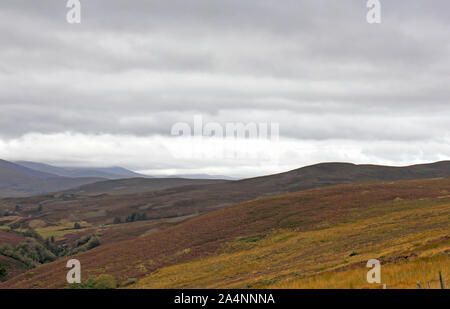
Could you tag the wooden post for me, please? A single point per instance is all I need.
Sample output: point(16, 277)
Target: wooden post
point(442, 281)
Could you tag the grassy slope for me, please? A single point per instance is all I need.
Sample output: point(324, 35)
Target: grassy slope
point(287, 258)
point(275, 240)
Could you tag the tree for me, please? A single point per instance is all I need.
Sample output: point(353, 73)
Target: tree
point(135, 216)
point(3, 272)
point(40, 208)
point(117, 220)
point(77, 226)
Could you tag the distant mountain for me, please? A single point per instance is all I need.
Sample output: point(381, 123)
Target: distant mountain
point(17, 180)
point(223, 192)
point(24, 171)
point(200, 176)
point(77, 172)
point(117, 170)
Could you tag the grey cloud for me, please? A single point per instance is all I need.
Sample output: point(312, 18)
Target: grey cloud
point(316, 67)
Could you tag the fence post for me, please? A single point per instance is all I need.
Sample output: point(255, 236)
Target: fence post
point(441, 280)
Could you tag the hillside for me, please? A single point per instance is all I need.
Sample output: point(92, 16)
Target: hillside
point(137, 185)
point(327, 174)
point(99, 205)
point(183, 201)
point(119, 198)
point(77, 172)
point(278, 240)
point(16, 180)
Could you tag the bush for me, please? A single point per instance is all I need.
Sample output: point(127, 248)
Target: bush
point(129, 282)
point(3, 272)
point(93, 242)
point(102, 282)
point(105, 282)
point(85, 244)
point(30, 232)
point(77, 226)
point(135, 216)
point(30, 252)
point(117, 220)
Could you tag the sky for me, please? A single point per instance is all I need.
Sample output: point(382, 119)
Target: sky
point(110, 90)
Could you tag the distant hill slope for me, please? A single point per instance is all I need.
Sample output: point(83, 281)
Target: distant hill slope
point(186, 198)
point(267, 241)
point(79, 172)
point(17, 180)
point(137, 185)
point(326, 174)
point(202, 176)
point(24, 171)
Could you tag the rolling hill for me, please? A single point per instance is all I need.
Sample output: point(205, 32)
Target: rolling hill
point(17, 180)
point(138, 185)
point(78, 172)
point(285, 240)
point(165, 203)
point(185, 198)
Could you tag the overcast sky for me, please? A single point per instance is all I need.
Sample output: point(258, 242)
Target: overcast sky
point(108, 91)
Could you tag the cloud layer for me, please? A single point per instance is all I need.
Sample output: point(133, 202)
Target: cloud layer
point(108, 91)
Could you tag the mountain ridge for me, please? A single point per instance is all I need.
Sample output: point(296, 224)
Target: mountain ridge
point(18, 181)
point(114, 172)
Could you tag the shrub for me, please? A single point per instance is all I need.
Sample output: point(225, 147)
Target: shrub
point(85, 244)
point(77, 226)
point(128, 282)
point(93, 242)
point(3, 272)
point(135, 216)
point(30, 252)
point(103, 282)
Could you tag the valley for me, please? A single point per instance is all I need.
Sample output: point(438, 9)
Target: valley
point(277, 231)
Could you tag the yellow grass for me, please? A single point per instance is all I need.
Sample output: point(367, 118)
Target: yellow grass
point(290, 259)
point(401, 275)
point(63, 228)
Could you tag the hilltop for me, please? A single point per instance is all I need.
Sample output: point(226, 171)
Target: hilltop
point(17, 180)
